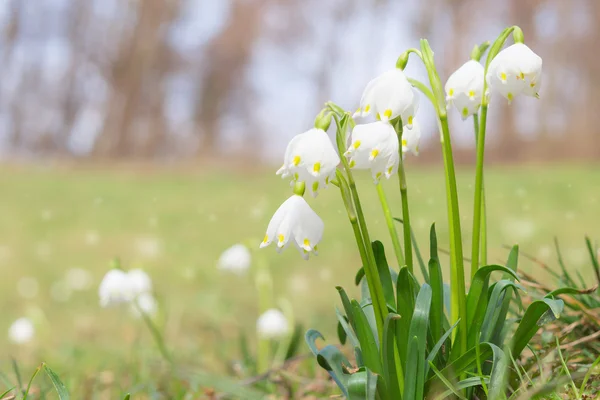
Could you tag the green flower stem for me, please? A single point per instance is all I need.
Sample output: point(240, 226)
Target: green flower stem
point(483, 247)
point(458, 292)
point(389, 219)
point(408, 254)
point(156, 335)
point(477, 205)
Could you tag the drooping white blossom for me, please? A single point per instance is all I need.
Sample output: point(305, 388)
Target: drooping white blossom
point(411, 137)
point(374, 146)
point(515, 70)
point(236, 259)
point(139, 282)
point(388, 96)
point(311, 158)
point(115, 288)
point(464, 88)
point(21, 331)
point(272, 324)
point(294, 221)
point(144, 302)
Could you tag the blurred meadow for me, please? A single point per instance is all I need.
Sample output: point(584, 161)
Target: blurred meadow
point(149, 131)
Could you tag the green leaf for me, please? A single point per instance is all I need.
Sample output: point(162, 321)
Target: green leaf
point(7, 392)
point(529, 323)
point(570, 291)
point(392, 370)
point(343, 323)
point(512, 263)
point(347, 306)
point(406, 291)
point(294, 343)
point(310, 338)
point(447, 383)
point(499, 375)
point(15, 367)
point(479, 285)
point(127, 397)
point(368, 344)
point(594, 257)
point(437, 288)
point(464, 384)
point(362, 385)
point(333, 361)
point(438, 346)
point(492, 313)
point(384, 273)
point(60, 388)
point(464, 363)
point(414, 381)
point(585, 379)
point(359, 275)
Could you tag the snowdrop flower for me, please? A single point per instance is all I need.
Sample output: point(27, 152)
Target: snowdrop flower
point(272, 324)
point(21, 331)
point(139, 282)
point(310, 158)
point(235, 259)
point(515, 70)
point(115, 288)
point(388, 96)
point(411, 137)
point(145, 302)
point(374, 146)
point(464, 88)
point(295, 221)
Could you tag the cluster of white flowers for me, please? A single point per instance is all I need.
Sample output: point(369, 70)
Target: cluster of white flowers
point(133, 288)
point(515, 70)
point(236, 259)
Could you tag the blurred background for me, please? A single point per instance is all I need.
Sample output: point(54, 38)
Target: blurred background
point(150, 130)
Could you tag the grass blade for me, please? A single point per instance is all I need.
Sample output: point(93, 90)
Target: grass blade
point(384, 273)
point(438, 346)
point(368, 343)
point(594, 258)
point(585, 379)
point(529, 324)
point(37, 370)
point(415, 380)
point(449, 385)
point(437, 287)
point(15, 367)
point(392, 370)
point(406, 290)
point(61, 389)
point(498, 377)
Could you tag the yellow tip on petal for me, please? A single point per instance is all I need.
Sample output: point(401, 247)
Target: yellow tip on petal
point(352, 164)
point(317, 167)
point(521, 76)
point(281, 238)
point(532, 84)
point(389, 170)
point(327, 180)
point(387, 113)
point(306, 243)
point(410, 120)
point(296, 176)
point(378, 117)
point(471, 93)
point(503, 76)
point(374, 153)
point(367, 108)
point(266, 239)
point(315, 186)
point(509, 96)
point(356, 144)
point(404, 143)
point(451, 92)
point(378, 175)
point(296, 161)
point(465, 112)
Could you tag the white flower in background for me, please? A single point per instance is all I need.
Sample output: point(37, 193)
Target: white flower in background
point(310, 158)
point(236, 259)
point(145, 302)
point(78, 279)
point(21, 331)
point(464, 88)
point(515, 70)
point(374, 146)
point(388, 96)
point(60, 291)
point(28, 287)
point(139, 282)
point(115, 288)
point(272, 324)
point(295, 221)
point(411, 137)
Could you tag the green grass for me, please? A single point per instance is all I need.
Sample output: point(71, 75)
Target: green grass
point(175, 223)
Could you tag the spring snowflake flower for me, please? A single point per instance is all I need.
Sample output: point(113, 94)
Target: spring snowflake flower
point(115, 288)
point(388, 96)
point(515, 70)
point(21, 331)
point(235, 259)
point(464, 88)
point(145, 302)
point(272, 324)
point(374, 146)
point(294, 221)
point(411, 137)
point(311, 158)
point(139, 282)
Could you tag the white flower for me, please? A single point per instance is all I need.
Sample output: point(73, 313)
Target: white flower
point(388, 96)
point(310, 158)
point(139, 282)
point(374, 146)
point(115, 288)
point(515, 70)
point(235, 259)
point(272, 324)
point(145, 302)
point(411, 137)
point(464, 88)
point(295, 221)
point(21, 331)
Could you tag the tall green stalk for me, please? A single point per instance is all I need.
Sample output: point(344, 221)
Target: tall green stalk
point(477, 204)
point(389, 220)
point(408, 254)
point(483, 247)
